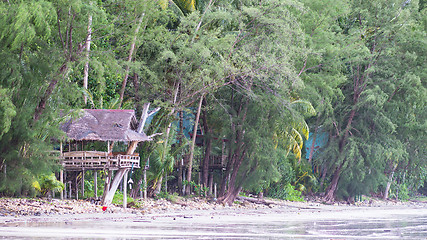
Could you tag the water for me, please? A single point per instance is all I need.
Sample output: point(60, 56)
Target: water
point(301, 224)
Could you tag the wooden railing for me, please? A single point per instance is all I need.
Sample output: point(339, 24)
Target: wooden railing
point(98, 160)
point(215, 161)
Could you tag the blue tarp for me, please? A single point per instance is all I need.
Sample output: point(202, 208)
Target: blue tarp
point(321, 141)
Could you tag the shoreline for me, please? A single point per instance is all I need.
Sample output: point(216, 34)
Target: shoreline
point(14, 210)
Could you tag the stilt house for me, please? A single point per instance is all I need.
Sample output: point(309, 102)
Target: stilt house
point(105, 127)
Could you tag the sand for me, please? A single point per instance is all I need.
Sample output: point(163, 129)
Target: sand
point(198, 219)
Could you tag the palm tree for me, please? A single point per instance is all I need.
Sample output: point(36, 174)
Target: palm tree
point(290, 134)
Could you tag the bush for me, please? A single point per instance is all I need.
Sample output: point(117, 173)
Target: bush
point(286, 192)
point(399, 191)
point(47, 183)
point(118, 199)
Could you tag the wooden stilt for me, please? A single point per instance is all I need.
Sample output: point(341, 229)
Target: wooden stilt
point(95, 183)
point(145, 183)
point(61, 178)
point(65, 190)
point(166, 182)
point(125, 180)
point(77, 188)
point(83, 183)
point(210, 182)
point(61, 172)
point(69, 189)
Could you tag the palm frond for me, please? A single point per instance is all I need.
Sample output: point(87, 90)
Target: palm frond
point(303, 107)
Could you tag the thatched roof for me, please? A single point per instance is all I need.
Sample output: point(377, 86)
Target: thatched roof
point(104, 125)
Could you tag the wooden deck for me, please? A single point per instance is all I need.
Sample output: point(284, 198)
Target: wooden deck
point(96, 160)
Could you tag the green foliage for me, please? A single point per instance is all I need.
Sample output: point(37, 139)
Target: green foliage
point(118, 199)
point(7, 112)
point(48, 183)
point(297, 175)
point(286, 192)
point(198, 188)
point(264, 67)
point(363, 99)
point(400, 192)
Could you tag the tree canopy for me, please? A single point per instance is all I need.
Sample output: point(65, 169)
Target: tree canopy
point(261, 75)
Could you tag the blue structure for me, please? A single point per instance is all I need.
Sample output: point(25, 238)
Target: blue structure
point(321, 141)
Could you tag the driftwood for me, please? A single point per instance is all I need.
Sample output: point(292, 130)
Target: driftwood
point(257, 200)
point(269, 202)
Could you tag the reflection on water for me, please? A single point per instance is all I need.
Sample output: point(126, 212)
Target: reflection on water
point(216, 227)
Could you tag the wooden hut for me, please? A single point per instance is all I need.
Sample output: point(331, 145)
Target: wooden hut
point(108, 127)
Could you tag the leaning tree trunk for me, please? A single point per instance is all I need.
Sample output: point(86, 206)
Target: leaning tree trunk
point(330, 191)
point(193, 142)
point(42, 103)
point(110, 190)
point(129, 60)
point(158, 186)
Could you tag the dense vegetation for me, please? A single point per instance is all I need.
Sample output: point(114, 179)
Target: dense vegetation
point(261, 75)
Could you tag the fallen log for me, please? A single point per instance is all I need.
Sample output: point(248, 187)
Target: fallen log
point(256, 200)
point(270, 202)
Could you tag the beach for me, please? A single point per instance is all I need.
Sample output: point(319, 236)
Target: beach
point(200, 219)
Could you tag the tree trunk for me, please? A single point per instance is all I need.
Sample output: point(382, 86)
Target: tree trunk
point(158, 187)
point(109, 194)
point(324, 172)
point(86, 68)
point(330, 191)
point(138, 106)
point(193, 142)
point(110, 191)
point(129, 60)
point(231, 195)
point(42, 103)
point(180, 160)
point(208, 146)
point(390, 181)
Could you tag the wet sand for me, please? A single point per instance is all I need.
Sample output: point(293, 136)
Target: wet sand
point(286, 221)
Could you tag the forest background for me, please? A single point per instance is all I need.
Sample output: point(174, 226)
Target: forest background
point(261, 75)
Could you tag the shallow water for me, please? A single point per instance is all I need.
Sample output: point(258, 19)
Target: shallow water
point(255, 225)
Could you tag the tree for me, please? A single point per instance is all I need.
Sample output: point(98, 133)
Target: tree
point(263, 82)
point(39, 47)
point(360, 129)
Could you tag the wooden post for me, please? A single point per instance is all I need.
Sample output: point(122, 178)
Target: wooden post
point(61, 172)
point(145, 183)
point(61, 178)
point(83, 183)
point(77, 189)
point(65, 190)
point(70, 189)
point(215, 190)
point(95, 183)
point(166, 182)
point(125, 180)
point(210, 182)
